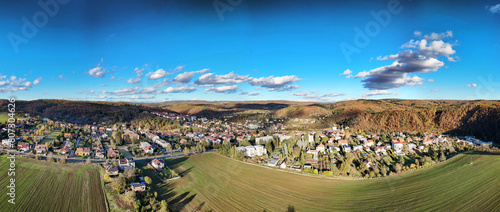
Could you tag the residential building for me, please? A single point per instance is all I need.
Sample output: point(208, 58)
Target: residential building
point(343, 143)
point(263, 140)
point(8, 142)
point(314, 153)
point(23, 146)
point(321, 148)
point(158, 163)
point(41, 148)
point(85, 151)
point(252, 151)
point(137, 186)
point(111, 169)
point(125, 163)
point(112, 153)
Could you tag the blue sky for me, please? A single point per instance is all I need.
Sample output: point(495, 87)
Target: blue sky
point(151, 51)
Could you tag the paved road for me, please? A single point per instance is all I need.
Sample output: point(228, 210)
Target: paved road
point(98, 160)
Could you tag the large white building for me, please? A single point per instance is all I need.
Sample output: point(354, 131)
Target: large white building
point(263, 140)
point(252, 151)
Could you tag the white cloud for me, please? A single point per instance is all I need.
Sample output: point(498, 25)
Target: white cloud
point(37, 81)
point(142, 97)
point(409, 62)
point(440, 36)
point(244, 93)
point(315, 96)
point(187, 76)
point(346, 72)
point(97, 72)
point(86, 92)
point(162, 73)
point(302, 93)
point(164, 82)
point(417, 33)
point(222, 89)
point(134, 80)
point(14, 84)
point(430, 80)
point(157, 74)
point(60, 76)
point(276, 83)
point(284, 88)
point(473, 85)
point(210, 79)
point(183, 89)
point(131, 91)
point(254, 94)
point(494, 8)
point(377, 93)
point(137, 79)
point(435, 90)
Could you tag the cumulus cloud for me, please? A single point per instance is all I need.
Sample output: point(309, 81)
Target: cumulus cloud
point(346, 72)
point(187, 76)
point(438, 36)
point(210, 79)
point(222, 89)
point(244, 93)
point(473, 85)
point(97, 72)
point(254, 94)
point(14, 84)
point(377, 93)
point(276, 83)
point(302, 93)
point(315, 96)
point(86, 92)
point(494, 8)
point(131, 91)
point(408, 63)
point(137, 79)
point(164, 82)
point(142, 97)
point(157, 74)
point(37, 81)
point(183, 89)
point(160, 73)
point(417, 33)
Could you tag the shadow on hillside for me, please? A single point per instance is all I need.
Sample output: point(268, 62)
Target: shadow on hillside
point(480, 123)
point(174, 163)
point(480, 153)
point(183, 173)
point(179, 202)
point(269, 106)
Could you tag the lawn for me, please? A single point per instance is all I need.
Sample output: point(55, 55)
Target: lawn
point(4, 117)
point(43, 186)
point(210, 181)
point(51, 137)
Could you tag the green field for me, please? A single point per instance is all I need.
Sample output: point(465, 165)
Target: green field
point(210, 181)
point(51, 137)
point(43, 186)
point(4, 117)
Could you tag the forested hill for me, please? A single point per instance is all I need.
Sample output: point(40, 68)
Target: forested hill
point(478, 118)
point(81, 112)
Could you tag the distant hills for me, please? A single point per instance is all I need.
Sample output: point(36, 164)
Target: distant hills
point(479, 118)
